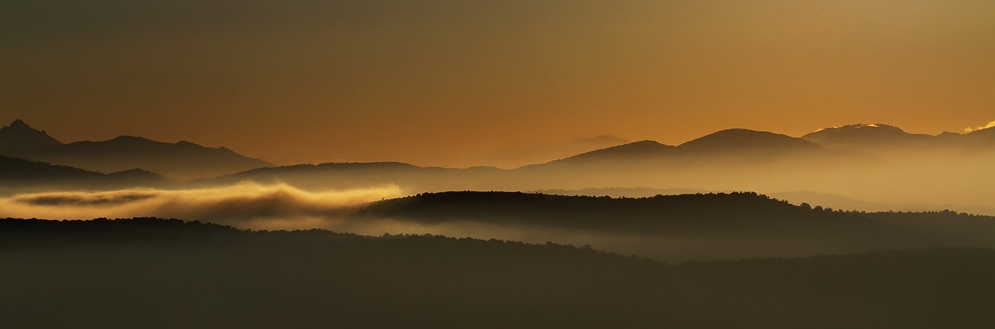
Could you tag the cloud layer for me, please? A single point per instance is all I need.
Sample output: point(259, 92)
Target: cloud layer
point(229, 204)
point(989, 125)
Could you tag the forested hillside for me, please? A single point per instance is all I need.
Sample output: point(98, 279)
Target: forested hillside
point(153, 273)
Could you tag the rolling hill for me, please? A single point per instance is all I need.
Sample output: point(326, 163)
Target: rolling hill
point(746, 141)
point(718, 216)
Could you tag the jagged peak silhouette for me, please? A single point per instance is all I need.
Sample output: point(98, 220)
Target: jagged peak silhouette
point(19, 136)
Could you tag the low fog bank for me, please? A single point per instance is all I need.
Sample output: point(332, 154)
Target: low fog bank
point(673, 229)
point(235, 204)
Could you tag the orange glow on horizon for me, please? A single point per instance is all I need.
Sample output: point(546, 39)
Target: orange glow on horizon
point(491, 83)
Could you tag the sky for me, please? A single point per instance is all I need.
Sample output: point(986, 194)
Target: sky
point(464, 83)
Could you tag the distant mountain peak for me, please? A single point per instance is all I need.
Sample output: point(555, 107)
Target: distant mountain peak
point(864, 126)
point(646, 142)
point(128, 138)
point(740, 139)
point(644, 148)
point(19, 137)
point(19, 124)
point(855, 134)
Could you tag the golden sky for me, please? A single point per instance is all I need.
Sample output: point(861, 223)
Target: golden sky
point(458, 83)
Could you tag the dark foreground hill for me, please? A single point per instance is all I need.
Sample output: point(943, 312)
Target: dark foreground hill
point(150, 273)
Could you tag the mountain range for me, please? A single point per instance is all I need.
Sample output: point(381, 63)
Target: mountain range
point(181, 161)
point(876, 163)
point(883, 137)
point(871, 162)
point(849, 138)
point(730, 142)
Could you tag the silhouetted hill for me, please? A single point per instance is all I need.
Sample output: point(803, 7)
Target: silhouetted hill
point(876, 133)
point(366, 174)
point(181, 160)
point(662, 214)
point(882, 137)
point(137, 175)
point(719, 225)
point(331, 166)
point(630, 151)
point(171, 274)
point(868, 136)
point(620, 192)
point(19, 137)
point(719, 158)
point(16, 173)
point(730, 142)
point(348, 174)
point(745, 140)
point(23, 170)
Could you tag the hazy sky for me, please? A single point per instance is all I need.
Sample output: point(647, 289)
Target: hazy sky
point(456, 83)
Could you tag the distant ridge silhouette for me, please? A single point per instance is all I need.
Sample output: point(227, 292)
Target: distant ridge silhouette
point(19, 137)
point(182, 160)
point(726, 142)
point(16, 169)
point(346, 175)
point(881, 136)
point(740, 141)
point(646, 148)
point(866, 135)
point(745, 140)
point(727, 154)
point(723, 160)
point(16, 172)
